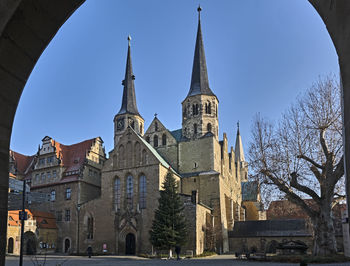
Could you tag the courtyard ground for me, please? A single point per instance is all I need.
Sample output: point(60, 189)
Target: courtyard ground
point(53, 260)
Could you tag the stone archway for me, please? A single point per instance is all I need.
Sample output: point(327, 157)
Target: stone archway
point(10, 245)
point(66, 245)
point(30, 243)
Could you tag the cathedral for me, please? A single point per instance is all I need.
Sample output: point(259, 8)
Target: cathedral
point(209, 174)
point(109, 203)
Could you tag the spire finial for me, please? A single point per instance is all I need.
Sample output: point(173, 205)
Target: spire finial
point(129, 39)
point(199, 9)
point(238, 127)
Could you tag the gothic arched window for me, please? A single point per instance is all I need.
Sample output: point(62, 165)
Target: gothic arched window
point(129, 191)
point(142, 192)
point(164, 140)
point(206, 108)
point(117, 194)
point(155, 141)
point(155, 126)
point(209, 108)
point(209, 127)
point(195, 130)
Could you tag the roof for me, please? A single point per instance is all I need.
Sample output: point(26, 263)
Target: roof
point(22, 162)
point(129, 98)
point(44, 219)
point(199, 80)
point(239, 152)
point(250, 191)
point(177, 134)
point(272, 228)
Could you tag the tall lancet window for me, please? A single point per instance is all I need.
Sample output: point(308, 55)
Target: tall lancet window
point(142, 192)
point(129, 191)
point(117, 194)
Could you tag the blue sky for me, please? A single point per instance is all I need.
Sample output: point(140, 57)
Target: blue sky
point(260, 56)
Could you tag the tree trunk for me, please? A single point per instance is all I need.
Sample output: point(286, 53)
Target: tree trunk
point(324, 234)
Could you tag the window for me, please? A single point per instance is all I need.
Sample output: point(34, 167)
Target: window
point(54, 173)
point(195, 109)
point(209, 127)
point(67, 216)
point(49, 159)
point(164, 140)
point(59, 216)
point(155, 126)
point(90, 172)
point(68, 193)
point(209, 108)
point(195, 129)
point(155, 141)
point(141, 128)
point(48, 174)
point(42, 176)
point(117, 194)
point(90, 228)
point(129, 191)
point(41, 161)
point(37, 177)
point(147, 139)
point(53, 195)
point(142, 192)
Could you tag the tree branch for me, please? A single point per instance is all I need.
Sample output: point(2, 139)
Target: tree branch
point(323, 142)
point(338, 199)
point(316, 173)
point(294, 183)
point(302, 156)
point(290, 194)
point(338, 172)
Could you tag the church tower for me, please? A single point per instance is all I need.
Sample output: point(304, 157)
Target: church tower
point(200, 108)
point(242, 165)
point(128, 114)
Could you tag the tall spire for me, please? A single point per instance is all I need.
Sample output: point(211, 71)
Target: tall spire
point(129, 98)
point(239, 153)
point(199, 81)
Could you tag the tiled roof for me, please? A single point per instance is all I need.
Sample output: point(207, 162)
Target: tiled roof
point(73, 156)
point(272, 228)
point(44, 219)
point(177, 134)
point(250, 191)
point(21, 161)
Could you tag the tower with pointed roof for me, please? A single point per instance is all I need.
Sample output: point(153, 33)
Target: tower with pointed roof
point(128, 114)
point(200, 107)
point(239, 157)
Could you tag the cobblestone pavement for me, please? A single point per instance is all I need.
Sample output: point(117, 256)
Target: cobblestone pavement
point(53, 260)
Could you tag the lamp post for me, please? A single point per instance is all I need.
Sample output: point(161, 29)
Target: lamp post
point(78, 212)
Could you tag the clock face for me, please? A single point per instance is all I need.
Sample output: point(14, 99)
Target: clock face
point(120, 124)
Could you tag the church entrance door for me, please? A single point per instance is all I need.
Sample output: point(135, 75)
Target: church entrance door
point(130, 244)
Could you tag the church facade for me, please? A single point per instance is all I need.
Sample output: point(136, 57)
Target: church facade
point(109, 203)
point(209, 174)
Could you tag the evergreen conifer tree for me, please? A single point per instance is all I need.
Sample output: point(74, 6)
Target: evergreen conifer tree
point(169, 224)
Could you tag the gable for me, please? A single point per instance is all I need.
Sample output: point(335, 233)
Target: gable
point(133, 150)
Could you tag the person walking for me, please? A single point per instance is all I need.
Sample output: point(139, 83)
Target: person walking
point(89, 251)
point(177, 251)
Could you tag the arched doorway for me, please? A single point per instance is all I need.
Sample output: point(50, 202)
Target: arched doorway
point(130, 244)
point(10, 245)
point(66, 245)
point(30, 243)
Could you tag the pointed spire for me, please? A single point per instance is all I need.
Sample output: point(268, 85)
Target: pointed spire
point(129, 97)
point(199, 81)
point(239, 153)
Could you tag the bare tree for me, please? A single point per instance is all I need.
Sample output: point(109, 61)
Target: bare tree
point(302, 157)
